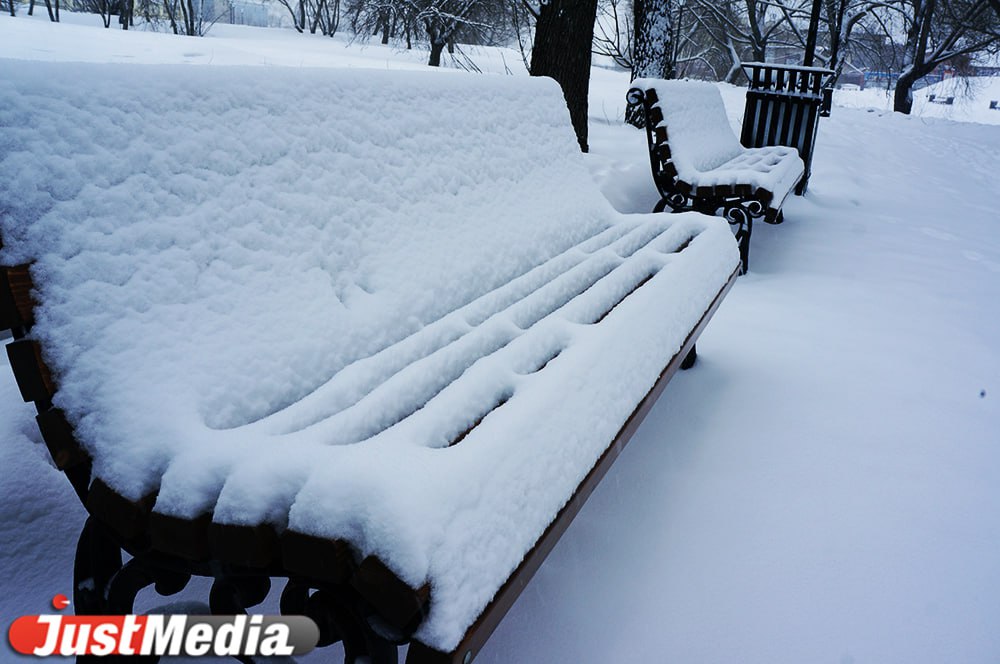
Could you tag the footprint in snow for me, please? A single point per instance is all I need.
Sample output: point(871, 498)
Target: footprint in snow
point(937, 234)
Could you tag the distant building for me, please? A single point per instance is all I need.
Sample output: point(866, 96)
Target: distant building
point(248, 12)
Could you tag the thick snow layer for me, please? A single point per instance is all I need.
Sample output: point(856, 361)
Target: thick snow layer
point(274, 296)
point(704, 148)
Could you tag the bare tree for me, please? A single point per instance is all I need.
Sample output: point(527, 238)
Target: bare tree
point(443, 20)
point(938, 31)
point(744, 29)
point(297, 9)
point(840, 18)
point(187, 16)
point(613, 32)
point(438, 23)
point(325, 16)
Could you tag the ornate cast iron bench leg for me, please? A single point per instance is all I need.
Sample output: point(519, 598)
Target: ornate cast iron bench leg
point(690, 359)
point(104, 585)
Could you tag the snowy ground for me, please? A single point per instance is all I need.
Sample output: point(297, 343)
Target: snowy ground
point(970, 103)
point(823, 487)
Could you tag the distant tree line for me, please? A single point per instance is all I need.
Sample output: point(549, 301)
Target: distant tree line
point(904, 40)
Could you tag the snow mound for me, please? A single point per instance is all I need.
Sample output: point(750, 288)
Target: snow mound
point(279, 296)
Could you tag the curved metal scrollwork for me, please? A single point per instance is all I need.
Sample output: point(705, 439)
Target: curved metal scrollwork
point(754, 208)
point(740, 217)
point(739, 212)
point(676, 201)
point(104, 585)
point(343, 617)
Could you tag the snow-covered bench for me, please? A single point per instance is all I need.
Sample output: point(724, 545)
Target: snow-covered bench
point(375, 332)
point(699, 164)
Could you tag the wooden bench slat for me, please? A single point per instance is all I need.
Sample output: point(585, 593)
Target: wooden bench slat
point(128, 519)
point(34, 379)
point(316, 557)
point(16, 301)
point(58, 436)
point(398, 604)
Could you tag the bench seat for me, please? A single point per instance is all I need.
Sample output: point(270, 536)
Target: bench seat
point(293, 325)
point(763, 170)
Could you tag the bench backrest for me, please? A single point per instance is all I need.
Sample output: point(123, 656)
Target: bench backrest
point(696, 124)
point(161, 203)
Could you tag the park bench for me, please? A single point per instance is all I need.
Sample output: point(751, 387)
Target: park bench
point(376, 333)
point(938, 99)
point(994, 105)
point(698, 163)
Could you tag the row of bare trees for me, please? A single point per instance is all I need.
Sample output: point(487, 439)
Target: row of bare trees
point(904, 39)
point(186, 17)
point(439, 24)
point(51, 5)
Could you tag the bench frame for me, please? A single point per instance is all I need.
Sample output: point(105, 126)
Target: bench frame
point(740, 204)
point(364, 604)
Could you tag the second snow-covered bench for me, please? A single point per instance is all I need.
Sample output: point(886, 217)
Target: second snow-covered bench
point(699, 164)
point(271, 334)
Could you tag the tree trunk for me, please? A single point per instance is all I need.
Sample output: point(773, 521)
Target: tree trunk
point(317, 12)
point(171, 14)
point(31, 7)
point(914, 54)
point(651, 48)
point(437, 47)
point(564, 34)
point(902, 98)
point(125, 19)
point(187, 13)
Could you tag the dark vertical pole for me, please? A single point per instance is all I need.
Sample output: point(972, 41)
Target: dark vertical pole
point(813, 30)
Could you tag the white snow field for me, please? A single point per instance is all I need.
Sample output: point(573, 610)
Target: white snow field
point(824, 486)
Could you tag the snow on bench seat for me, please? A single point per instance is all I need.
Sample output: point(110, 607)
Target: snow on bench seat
point(379, 308)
